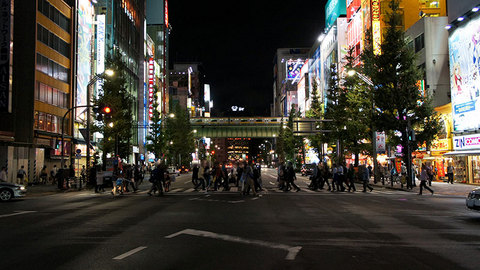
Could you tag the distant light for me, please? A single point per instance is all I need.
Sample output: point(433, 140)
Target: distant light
point(351, 72)
point(448, 27)
point(475, 9)
point(109, 72)
point(460, 19)
point(321, 37)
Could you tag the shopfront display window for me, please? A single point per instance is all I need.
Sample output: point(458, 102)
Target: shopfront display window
point(459, 163)
point(476, 169)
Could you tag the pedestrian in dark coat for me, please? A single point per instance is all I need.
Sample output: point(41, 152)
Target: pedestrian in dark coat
point(290, 178)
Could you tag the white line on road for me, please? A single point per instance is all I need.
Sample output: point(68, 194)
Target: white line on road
point(190, 190)
point(175, 190)
point(131, 252)
point(17, 213)
point(271, 183)
point(188, 182)
point(292, 251)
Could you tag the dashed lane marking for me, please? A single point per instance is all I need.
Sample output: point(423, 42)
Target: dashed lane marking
point(17, 213)
point(129, 253)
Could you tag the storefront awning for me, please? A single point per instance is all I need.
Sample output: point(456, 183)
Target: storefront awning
point(463, 153)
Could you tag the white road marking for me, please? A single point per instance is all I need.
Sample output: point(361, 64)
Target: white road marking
point(292, 251)
point(189, 190)
point(234, 189)
point(188, 182)
point(271, 183)
point(17, 213)
point(131, 252)
point(308, 190)
point(253, 199)
point(239, 201)
point(175, 190)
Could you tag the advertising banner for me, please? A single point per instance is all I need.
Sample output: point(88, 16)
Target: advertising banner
point(4, 54)
point(293, 68)
point(380, 138)
point(84, 52)
point(464, 50)
point(333, 10)
point(100, 49)
point(467, 142)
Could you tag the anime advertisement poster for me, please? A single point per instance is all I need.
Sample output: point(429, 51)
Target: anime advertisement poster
point(85, 28)
point(464, 50)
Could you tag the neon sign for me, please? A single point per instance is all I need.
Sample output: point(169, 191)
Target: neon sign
point(151, 83)
point(129, 10)
point(166, 13)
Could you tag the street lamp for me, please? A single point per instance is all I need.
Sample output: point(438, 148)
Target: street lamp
point(172, 115)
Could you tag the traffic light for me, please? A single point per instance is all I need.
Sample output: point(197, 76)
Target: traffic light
point(411, 135)
point(57, 143)
point(103, 111)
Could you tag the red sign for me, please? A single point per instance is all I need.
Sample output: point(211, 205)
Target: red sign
point(166, 13)
point(440, 169)
point(151, 83)
point(352, 7)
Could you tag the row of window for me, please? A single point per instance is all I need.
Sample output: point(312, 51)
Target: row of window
point(47, 122)
point(52, 69)
point(54, 15)
point(50, 95)
point(53, 41)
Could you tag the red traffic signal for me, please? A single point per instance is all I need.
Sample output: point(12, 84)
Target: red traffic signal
point(106, 110)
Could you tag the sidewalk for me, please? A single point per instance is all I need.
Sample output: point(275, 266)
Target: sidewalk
point(47, 189)
point(441, 188)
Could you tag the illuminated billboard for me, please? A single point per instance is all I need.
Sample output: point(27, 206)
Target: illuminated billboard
point(84, 52)
point(100, 49)
point(293, 68)
point(333, 10)
point(464, 55)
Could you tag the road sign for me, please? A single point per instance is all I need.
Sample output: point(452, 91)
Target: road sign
point(78, 156)
point(78, 151)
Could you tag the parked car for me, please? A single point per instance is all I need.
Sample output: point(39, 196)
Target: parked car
point(307, 169)
point(473, 199)
point(173, 170)
point(9, 191)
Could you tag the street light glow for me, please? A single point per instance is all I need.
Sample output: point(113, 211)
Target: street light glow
point(351, 72)
point(110, 124)
point(109, 72)
point(172, 115)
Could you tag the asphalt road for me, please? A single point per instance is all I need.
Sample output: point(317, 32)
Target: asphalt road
point(384, 229)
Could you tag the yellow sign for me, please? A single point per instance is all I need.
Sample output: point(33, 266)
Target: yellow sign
point(441, 145)
point(376, 27)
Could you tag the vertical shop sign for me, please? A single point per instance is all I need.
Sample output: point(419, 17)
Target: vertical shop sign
point(380, 138)
point(376, 28)
point(151, 83)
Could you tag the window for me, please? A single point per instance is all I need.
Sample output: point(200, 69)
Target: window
point(54, 14)
point(41, 121)
point(52, 68)
point(419, 43)
point(50, 95)
point(52, 41)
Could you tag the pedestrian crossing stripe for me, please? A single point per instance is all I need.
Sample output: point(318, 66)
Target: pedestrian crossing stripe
point(176, 190)
point(189, 190)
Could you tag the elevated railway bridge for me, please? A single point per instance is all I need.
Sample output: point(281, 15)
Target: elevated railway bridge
point(251, 127)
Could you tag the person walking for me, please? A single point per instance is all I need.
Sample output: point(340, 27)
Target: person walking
point(290, 178)
point(207, 175)
point(43, 175)
point(195, 176)
point(248, 178)
point(157, 177)
point(99, 183)
point(424, 177)
point(324, 175)
point(365, 176)
point(200, 177)
point(314, 178)
point(351, 178)
point(21, 176)
point(281, 172)
point(226, 180)
point(450, 170)
point(430, 174)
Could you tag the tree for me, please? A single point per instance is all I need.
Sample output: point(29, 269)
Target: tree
point(280, 144)
point(181, 143)
point(315, 112)
point(117, 131)
point(336, 112)
point(399, 104)
point(157, 141)
point(358, 128)
point(292, 144)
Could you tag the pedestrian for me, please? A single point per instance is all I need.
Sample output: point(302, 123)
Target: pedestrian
point(314, 178)
point(281, 178)
point(226, 180)
point(424, 177)
point(195, 176)
point(239, 173)
point(207, 175)
point(290, 178)
point(60, 177)
point(340, 177)
point(3, 174)
point(324, 176)
point(365, 176)
point(450, 171)
point(83, 174)
point(248, 178)
point(351, 178)
point(53, 174)
point(43, 175)
point(157, 177)
point(200, 177)
point(429, 174)
point(21, 176)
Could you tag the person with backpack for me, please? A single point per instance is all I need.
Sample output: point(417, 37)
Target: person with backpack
point(248, 179)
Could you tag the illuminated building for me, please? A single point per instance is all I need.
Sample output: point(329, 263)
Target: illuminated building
point(185, 87)
point(287, 65)
point(36, 83)
point(370, 14)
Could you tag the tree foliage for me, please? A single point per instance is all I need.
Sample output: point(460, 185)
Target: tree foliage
point(399, 104)
point(156, 139)
point(180, 138)
point(114, 93)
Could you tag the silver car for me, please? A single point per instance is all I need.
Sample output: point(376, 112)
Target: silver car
point(9, 191)
point(473, 199)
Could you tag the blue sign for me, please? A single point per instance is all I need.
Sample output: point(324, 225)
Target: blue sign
point(333, 10)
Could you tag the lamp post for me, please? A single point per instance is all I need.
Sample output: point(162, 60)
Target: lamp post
point(374, 135)
point(271, 149)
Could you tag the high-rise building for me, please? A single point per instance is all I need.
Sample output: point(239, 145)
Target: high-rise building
point(288, 63)
point(36, 84)
point(186, 87)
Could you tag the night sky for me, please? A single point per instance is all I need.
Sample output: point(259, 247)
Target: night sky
point(236, 42)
